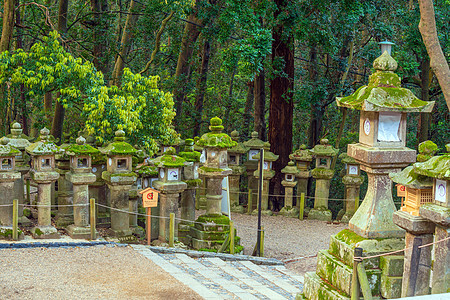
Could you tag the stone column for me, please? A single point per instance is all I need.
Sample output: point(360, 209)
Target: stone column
point(120, 221)
point(352, 184)
point(214, 195)
point(168, 204)
point(320, 210)
point(233, 181)
point(64, 216)
point(6, 197)
point(97, 190)
point(44, 229)
point(289, 210)
point(419, 228)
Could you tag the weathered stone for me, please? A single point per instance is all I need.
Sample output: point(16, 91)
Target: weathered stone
point(391, 287)
point(435, 213)
point(317, 289)
point(392, 265)
point(441, 270)
point(320, 214)
point(413, 224)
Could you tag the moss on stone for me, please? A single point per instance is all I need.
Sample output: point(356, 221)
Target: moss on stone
point(38, 232)
point(216, 140)
point(193, 156)
point(148, 171)
point(207, 169)
point(193, 182)
point(81, 149)
point(169, 161)
point(119, 148)
point(217, 219)
point(349, 237)
point(27, 212)
point(436, 167)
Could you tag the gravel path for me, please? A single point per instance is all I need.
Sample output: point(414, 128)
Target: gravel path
point(85, 273)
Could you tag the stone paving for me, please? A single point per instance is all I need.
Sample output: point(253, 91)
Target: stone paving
point(215, 278)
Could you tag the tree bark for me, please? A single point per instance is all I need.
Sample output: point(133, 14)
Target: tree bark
point(182, 73)
point(8, 24)
point(98, 7)
point(248, 111)
point(127, 35)
point(259, 92)
point(424, 118)
point(201, 88)
point(427, 28)
point(314, 126)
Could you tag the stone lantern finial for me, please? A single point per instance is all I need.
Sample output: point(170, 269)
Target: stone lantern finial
point(4, 140)
point(44, 134)
point(16, 130)
point(120, 136)
point(254, 135)
point(324, 141)
point(216, 125)
point(80, 140)
point(385, 62)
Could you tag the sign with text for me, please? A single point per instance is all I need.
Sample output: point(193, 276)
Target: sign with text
point(149, 197)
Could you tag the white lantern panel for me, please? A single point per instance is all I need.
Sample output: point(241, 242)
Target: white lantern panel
point(266, 165)
point(152, 180)
point(145, 183)
point(252, 153)
point(173, 174)
point(165, 148)
point(388, 124)
point(203, 156)
point(441, 191)
point(352, 170)
point(162, 173)
point(367, 126)
point(195, 172)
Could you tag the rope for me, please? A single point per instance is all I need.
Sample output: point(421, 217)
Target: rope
point(5, 205)
point(65, 205)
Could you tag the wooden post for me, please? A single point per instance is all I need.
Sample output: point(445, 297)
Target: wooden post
point(171, 229)
point(356, 203)
point(15, 234)
point(149, 225)
point(28, 191)
point(92, 218)
point(355, 283)
point(225, 244)
point(414, 269)
point(302, 206)
point(261, 249)
point(250, 202)
point(364, 282)
point(231, 237)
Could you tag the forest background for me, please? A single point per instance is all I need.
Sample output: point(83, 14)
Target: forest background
point(273, 66)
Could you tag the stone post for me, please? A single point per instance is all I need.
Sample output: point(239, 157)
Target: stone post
point(302, 158)
point(8, 176)
point(119, 178)
point(43, 173)
point(234, 163)
point(323, 174)
point(19, 141)
point(170, 186)
point(80, 176)
point(289, 183)
point(352, 181)
point(254, 145)
point(64, 216)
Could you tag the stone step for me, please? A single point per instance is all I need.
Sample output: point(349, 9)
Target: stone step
point(317, 289)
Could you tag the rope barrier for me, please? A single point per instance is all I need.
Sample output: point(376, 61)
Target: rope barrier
point(57, 205)
point(6, 205)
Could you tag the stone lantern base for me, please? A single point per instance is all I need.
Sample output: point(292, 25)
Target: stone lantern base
point(45, 232)
point(77, 232)
point(333, 276)
point(6, 233)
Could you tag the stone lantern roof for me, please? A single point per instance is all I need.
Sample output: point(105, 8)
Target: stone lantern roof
point(17, 139)
point(119, 146)
point(290, 168)
point(346, 159)
point(240, 148)
point(81, 148)
point(302, 154)
point(254, 142)
point(436, 167)
point(189, 154)
point(268, 156)
point(384, 92)
point(408, 177)
point(215, 138)
point(43, 146)
point(6, 150)
point(324, 149)
point(169, 160)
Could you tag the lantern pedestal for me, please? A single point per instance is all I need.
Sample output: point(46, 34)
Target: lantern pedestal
point(7, 180)
point(320, 210)
point(288, 209)
point(45, 230)
point(352, 184)
point(64, 216)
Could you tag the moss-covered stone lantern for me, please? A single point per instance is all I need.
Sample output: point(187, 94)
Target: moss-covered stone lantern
point(8, 176)
point(268, 173)
point(119, 178)
point(302, 158)
point(234, 163)
point(253, 145)
point(289, 182)
point(44, 174)
point(20, 141)
point(352, 181)
point(80, 176)
point(170, 185)
point(381, 149)
point(322, 173)
point(210, 229)
point(191, 177)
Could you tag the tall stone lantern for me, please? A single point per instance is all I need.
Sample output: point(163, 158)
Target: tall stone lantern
point(119, 178)
point(253, 145)
point(289, 182)
point(43, 173)
point(8, 176)
point(210, 229)
point(169, 183)
point(302, 158)
point(268, 173)
point(18, 140)
point(381, 149)
point(323, 174)
point(80, 176)
point(352, 181)
point(234, 163)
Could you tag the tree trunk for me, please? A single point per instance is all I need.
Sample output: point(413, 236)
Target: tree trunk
point(98, 7)
point(427, 28)
point(127, 35)
point(8, 24)
point(182, 73)
point(248, 111)
point(259, 92)
point(281, 101)
point(23, 100)
point(424, 118)
point(313, 130)
point(201, 88)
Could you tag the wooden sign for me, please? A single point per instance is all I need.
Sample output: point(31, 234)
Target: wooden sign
point(149, 197)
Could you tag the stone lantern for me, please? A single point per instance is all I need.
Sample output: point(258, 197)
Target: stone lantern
point(200, 201)
point(381, 149)
point(192, 180)
point(352, 181)
point(80, 176)
point(234, 163)
point(210, 229)
point(302, 158)
point(289, 182)
point(268, 174)
point(119, 178)
point(8, 176)
point(44, 174)
point(170, 167)
point(19, 141)
point(253, 145)
point(64, 195)
point(323, 174)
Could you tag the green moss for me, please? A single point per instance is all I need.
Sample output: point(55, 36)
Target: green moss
point(217, 219)
point(99, 158)
point(216, 140)
point(38, 232)
point(436, 167)
point(193, 182)
point(169, 161)
point(349, 237)
point(81, 149)
point(27, 212)
point(207, 169)
point(149, 171)
point(119, 148)
point(208, 250)
point(8, 233)
point(322, 173)
point(193, 156)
